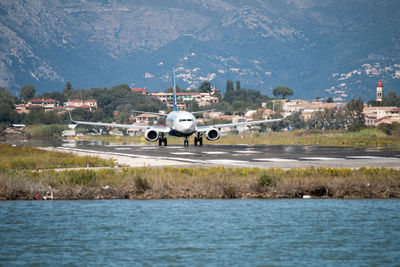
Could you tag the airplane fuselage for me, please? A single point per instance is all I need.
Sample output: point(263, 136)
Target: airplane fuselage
point(182, 123)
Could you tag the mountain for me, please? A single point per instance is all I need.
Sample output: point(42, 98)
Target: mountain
point(316, 47)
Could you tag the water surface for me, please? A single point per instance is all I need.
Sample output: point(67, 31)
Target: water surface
point(294, 232)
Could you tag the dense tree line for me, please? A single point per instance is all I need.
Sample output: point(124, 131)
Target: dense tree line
point(348, 117)
point(118, 98)
point(241, 99)
point(121, 99)
point(389, 99)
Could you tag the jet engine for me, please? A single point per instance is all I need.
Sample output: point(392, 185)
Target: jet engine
point(212, 134)
point(151, 135)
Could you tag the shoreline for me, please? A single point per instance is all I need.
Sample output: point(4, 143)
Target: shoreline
point(200, 183)
point(31, 173)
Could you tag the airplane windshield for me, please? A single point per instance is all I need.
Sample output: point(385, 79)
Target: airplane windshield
point(185, 120)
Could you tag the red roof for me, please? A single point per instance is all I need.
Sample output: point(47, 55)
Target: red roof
point(139, 90)
point(380, 84)
point(42, 100)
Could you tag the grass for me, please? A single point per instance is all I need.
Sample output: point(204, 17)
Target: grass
point(20, 180)
point(52, 130)
point(365, 137)
point(215, 182)
point(27, 158)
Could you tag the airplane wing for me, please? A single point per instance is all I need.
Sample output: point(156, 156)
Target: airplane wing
point(207, 127)
point(147, 112)
point(161, 129)
point(204, 111)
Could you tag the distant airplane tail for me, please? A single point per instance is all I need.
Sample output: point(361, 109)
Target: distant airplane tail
point(174, 92)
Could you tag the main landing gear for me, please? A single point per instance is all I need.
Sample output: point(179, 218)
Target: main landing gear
point(198, 140)
point(162, 140)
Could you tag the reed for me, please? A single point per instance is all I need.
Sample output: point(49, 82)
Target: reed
point(215, 182)
point(52, 130)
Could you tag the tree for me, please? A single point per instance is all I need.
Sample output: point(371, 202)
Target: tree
point(354, 111)
point(193, 106)
point(282, 90)
point(7, 112)
point(391, 99)
point(68, 86)
point(229, 92)
point(237, 85)
point(178, 90)
point(54, 95)
point(205, 87)
point(329, 100)
point(27, 92)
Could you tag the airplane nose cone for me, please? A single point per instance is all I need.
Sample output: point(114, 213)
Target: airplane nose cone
point(187, 127)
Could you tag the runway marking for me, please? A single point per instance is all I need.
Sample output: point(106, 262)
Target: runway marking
point(106, 152)
point(363, 157)
point(275, 159)
point(149, 147)
point(114, 145)
point(214, 152)
point(122, 148)
point(226, 161)
point(321, 158)
point(175, 147)
point(247, 152)
point(182, 153)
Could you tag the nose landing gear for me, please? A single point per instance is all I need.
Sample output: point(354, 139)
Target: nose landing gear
point(186, 142)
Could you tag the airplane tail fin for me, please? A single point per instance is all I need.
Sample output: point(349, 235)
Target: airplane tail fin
point(174, 92)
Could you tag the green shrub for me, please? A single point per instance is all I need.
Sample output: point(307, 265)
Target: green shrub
point(390, 128)
point(142, 184)
point(229, 192)
point(82, 177)
point(357, 127)
point(266, 180)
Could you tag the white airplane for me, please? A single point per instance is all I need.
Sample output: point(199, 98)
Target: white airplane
point(179, 123)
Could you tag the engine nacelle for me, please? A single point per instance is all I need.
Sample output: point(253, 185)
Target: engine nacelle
point(151, 135)
point(212, 134)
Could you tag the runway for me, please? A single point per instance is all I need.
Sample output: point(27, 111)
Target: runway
point(241, 155)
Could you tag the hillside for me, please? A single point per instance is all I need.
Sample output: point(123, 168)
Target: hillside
point(318, 48)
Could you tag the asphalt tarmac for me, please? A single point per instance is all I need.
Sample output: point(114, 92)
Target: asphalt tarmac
point(241, 155)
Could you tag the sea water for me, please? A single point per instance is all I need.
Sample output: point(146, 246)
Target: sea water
point(293, 232)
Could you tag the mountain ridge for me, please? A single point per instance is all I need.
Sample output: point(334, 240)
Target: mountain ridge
point(310, 46)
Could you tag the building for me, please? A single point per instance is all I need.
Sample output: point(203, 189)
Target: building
point(89, 104)
point(145, 119)
point(307, 108)
point(202, 99)
point(376, 115)
point(46, 104)
point(379, 91)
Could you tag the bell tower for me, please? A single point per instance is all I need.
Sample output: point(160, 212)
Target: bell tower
point(379, 91)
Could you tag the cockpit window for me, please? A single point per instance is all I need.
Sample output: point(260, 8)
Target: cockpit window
point(185, 120)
